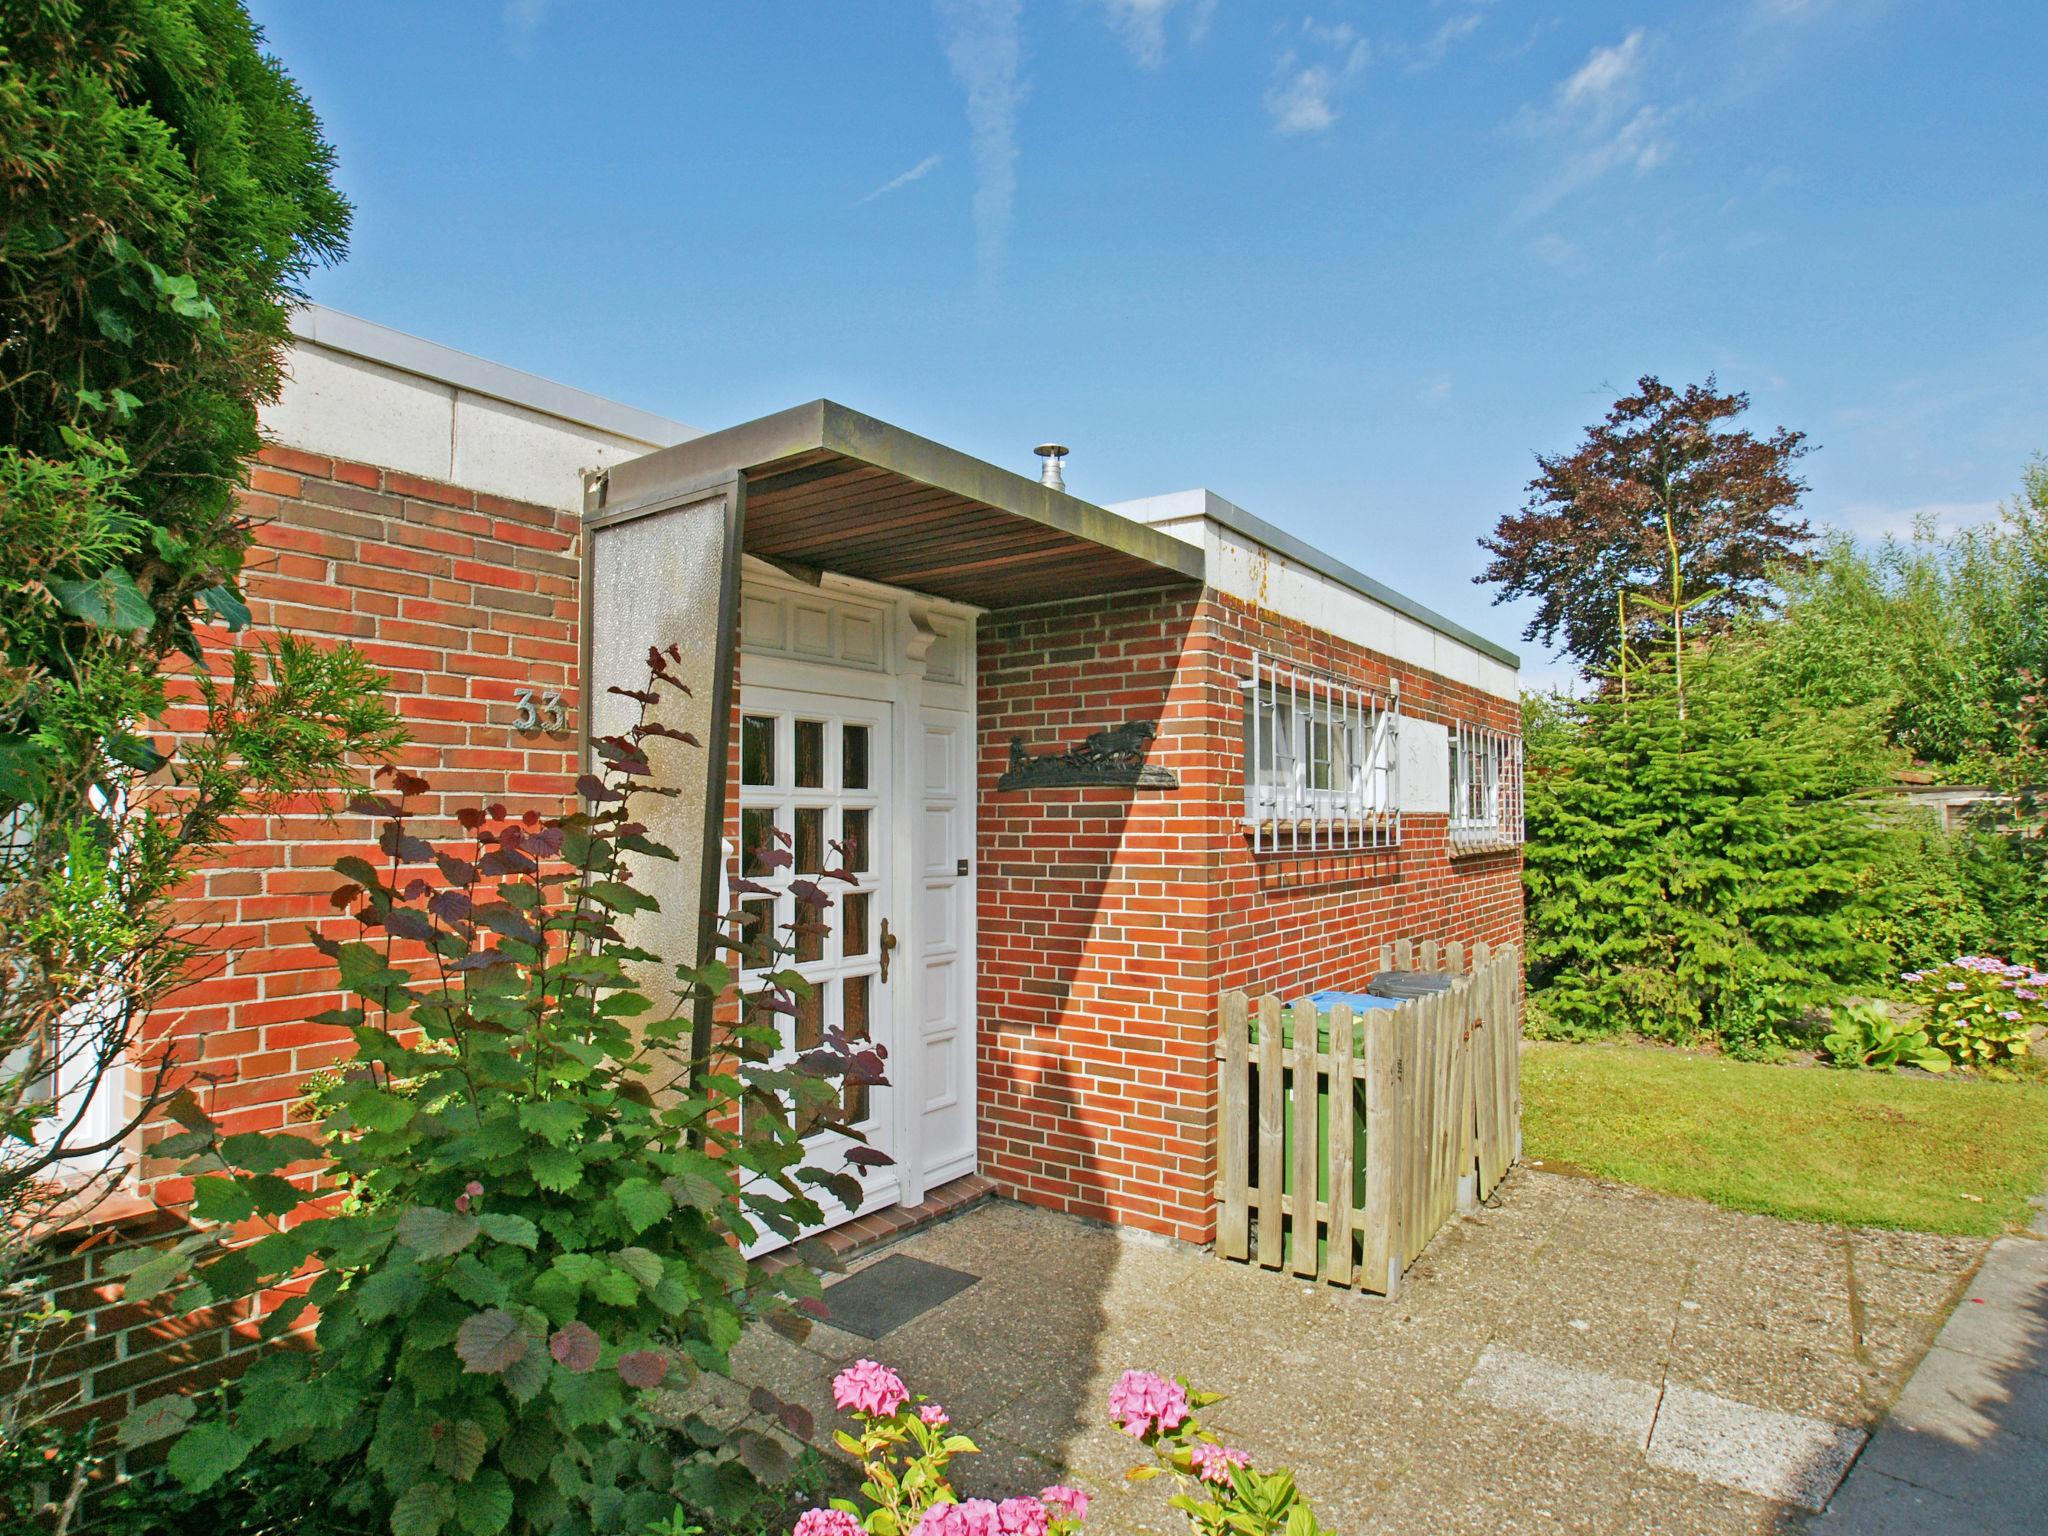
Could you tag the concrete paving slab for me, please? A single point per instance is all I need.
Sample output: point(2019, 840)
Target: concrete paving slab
point(1954, 1396)
point(1366, 1398)
point(1785, 1457)
point(2003, 1314)
point(1965, 1446)
point(1565, 1394)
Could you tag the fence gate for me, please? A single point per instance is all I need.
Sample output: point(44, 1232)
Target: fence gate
point(1347, 1139)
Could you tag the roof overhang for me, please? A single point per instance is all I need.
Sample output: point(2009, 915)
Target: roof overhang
point(829, 489)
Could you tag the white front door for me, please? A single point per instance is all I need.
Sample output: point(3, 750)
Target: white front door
point(815, 781)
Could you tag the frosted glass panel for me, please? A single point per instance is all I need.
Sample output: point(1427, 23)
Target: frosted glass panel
point(656, 581)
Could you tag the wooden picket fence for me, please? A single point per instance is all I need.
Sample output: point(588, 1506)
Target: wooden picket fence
point(1437, 1083)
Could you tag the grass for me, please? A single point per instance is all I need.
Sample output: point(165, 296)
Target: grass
point(1865, 1149)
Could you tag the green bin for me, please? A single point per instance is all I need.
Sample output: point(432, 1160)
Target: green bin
point(1358, 1147)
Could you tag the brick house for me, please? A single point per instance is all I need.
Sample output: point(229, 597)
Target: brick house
point(1098, 764)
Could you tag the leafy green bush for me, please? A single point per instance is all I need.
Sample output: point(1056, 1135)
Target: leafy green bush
point(164, 188)
point(1980, 1010)
point(1866, 1035)
point(542, 1196)
point(1680, 857)
point(1762, 1023)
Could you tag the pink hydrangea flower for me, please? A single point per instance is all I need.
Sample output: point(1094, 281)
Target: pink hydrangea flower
point(826, 1522)
point(1958, 986)
point(1070, 1501)
point(972, 1517)
point(1022, 1517)
point(2011, 1016)
point(1213, 1462)
point(865, 1387)
point(933, 1415)
point(1143, 1401)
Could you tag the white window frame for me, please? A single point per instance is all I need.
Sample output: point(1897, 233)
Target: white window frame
point(1485, 787)
point(88, 1099)
point(1321, 761)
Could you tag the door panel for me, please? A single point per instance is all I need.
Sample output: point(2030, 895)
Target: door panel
point(814, 778)
point(945, 915)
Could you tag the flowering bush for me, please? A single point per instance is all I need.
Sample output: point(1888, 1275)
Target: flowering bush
point(904, 1446)
point(1980, 1010)
point(1220, 1492)
point(535, 1190)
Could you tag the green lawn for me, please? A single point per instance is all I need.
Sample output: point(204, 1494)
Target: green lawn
point(1861, 1148)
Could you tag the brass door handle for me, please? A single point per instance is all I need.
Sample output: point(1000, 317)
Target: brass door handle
point(888, 943)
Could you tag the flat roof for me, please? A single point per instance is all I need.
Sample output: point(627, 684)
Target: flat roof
point(829, 486)
point(357, 337)
point(833, 489)
point(1207, 504)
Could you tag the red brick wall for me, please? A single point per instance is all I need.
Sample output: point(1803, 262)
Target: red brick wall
point(1094, 911)
point(109, 1355)
point(1111, 919)
point(461, 599)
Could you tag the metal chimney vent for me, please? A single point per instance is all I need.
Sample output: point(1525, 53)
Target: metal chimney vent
point(1055, 455)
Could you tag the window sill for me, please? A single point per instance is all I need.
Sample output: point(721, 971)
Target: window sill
point(83, 1213)
point(1482, 847)
point(1304, 837)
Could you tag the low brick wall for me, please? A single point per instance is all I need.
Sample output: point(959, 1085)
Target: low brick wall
point(110, 1355)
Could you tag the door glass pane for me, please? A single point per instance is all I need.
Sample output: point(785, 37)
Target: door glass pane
point(757, 749)
point(853, 924)
point(853, 994)
point(810, 754)
point(755, 1016)
point(757, 833)
point(810, 1016)
point(853, 755)
point(810, 934)
point(757, 932)
point(856, 850)
point(810, 839)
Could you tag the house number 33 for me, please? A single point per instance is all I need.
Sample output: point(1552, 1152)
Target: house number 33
point(539, 712)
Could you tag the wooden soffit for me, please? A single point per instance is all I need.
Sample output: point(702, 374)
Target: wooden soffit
point(831, 489)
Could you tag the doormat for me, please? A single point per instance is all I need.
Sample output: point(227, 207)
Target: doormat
point(886, 1295)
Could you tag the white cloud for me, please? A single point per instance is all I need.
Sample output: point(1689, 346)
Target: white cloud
point(1607, 76)
point(917, 172)
point(522, 21)
point(1142, 24)
point(1453, 31)
point(1601, 122)
point(1309, 78)
point(985, 49)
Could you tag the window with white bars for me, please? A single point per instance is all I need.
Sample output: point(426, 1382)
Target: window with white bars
point(1486, 787)
point(1320, 762)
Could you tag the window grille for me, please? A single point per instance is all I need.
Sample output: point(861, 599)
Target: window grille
point(1486, 787)
point(1320, 762)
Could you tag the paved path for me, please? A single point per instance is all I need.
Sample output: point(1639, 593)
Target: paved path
point(1964, 1451)
point(1579, 1356)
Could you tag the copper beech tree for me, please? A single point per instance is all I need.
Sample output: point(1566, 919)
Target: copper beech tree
point(1665, 515)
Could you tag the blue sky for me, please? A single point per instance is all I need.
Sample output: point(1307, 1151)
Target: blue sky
point(1347, 265)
